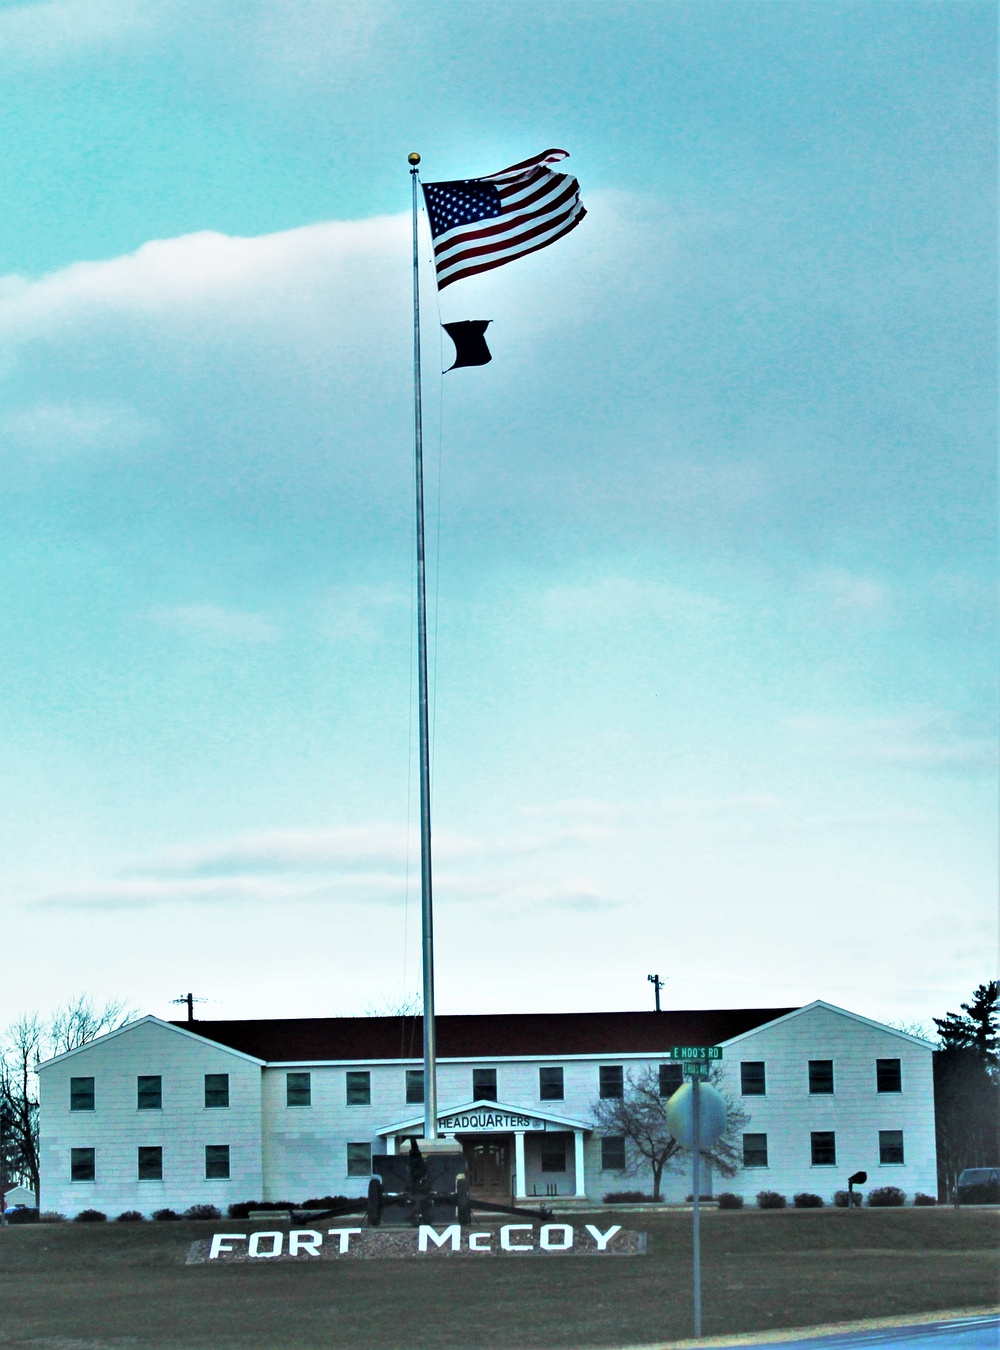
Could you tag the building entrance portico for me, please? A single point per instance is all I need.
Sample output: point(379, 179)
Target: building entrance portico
point(504, 1151)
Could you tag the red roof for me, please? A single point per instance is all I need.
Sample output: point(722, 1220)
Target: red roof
point(549, 1035)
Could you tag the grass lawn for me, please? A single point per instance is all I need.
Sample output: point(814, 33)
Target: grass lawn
point(88, 1286)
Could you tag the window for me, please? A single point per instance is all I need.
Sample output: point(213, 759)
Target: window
point(217, 1162)
point(415, 1086)
point(82, 1163)
point(824, 1148)
point(298, 1089)
point(890, 1146)
point(359, 1160)
point(81, 1094)
point(553, 1153)
point(753, 1080)
point(149, 1092)
point(217, 1089)
point(484, 1085)
point(613, 1153)
point(150, 1166)
point(359, 1087)
point(888, 1077)
point(671, 1078)
point(550, 1085)
point(612, 1084)
point(755, 1150)
point(820, 1075)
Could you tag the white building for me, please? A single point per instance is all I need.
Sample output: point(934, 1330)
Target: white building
point(166, 1115)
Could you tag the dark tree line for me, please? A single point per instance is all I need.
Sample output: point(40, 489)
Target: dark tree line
point(967, 1087)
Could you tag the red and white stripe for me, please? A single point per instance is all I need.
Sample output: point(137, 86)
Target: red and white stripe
point(537, 208)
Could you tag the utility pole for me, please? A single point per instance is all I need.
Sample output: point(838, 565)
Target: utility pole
point(657, 984)
point(3, 1166)
point(190, 1000)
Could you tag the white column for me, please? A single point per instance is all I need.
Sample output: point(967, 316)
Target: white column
point(521, 1179)
point(581, 1173)
point(390, 1144)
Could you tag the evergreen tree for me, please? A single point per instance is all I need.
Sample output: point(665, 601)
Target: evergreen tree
point(967, 1087)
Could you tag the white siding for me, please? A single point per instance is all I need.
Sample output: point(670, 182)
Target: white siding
point(116, 1128)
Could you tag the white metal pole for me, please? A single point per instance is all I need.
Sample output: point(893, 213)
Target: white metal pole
point(696, 1187)
point(426, 894)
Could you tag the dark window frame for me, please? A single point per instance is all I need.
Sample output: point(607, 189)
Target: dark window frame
point(154, 1096)
point(358, 1087)
point(217, 1156)
point(356, 1164)
point(82, 1099)
point(298, 1094)
point(613, 1144)
point(485, 1091)
point(218, 1091)
point(823, 1142)
point(83, 1161)
point(554, 1090)
point(755, 1154)
point(752, 1082)
point(552, 1153)
point(821, 1075)
point(896, 1146)
point(611, 1082)
point(671, 1078)
point(150, 1166)
point(888, 1075)
point(415, 1087)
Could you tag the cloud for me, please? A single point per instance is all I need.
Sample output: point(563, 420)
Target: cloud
point(59, 430)
point(919, 740)
point(54, 29)
point(853, 595)
point(212, 621)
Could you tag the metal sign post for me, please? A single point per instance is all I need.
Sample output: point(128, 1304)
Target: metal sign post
point(696, 1187)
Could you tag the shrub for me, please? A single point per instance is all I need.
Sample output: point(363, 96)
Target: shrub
point(131, 1216)
point(727, 1200)
point(842, 1199)
point(326, 1202)
point(922, 1199)
point(701, 1196)
point(242, 1208)
point(51, 1216)
point(202, 1212)
point(770, 1200)
point(22, 1214)
point(806, 1200)
point(886, 1195)
point(164, 1215)
point(89, 1216)
point(627, 1198)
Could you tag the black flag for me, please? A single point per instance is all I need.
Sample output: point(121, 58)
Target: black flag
point(470, 342)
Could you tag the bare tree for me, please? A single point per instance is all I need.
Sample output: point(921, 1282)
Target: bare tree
point(80, 1020)
point(640, 1116)
point(395, 1005)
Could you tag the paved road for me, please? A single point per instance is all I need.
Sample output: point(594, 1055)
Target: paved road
point(966, 1333)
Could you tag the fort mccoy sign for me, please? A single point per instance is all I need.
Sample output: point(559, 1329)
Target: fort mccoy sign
point(425, 1242)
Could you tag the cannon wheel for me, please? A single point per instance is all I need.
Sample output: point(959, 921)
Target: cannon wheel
point(374, 1210)
point(463, 1200)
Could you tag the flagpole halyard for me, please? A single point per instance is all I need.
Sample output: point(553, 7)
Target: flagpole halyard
point(426, 888)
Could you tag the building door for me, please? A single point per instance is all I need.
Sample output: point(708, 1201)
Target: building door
point(487, 1161)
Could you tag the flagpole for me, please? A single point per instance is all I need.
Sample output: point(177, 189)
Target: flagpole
point(426, 892)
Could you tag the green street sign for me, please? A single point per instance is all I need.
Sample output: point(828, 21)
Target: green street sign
point(696, 1068)
point(696, 1052)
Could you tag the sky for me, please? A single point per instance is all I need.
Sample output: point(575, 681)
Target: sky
point(712, 539)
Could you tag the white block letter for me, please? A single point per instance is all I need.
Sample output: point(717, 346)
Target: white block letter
point(304, 1240)
point(345, 1235)
point(602, 1239)
point(546, 1242)
point(476, 1246)
point(277, 1240)
point(221, 1241)
point(505, 1241)
point(452, 1234)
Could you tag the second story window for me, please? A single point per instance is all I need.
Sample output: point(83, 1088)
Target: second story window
point(298, 1089)
point(612, 1080)
point(550, 1085)
point(888, 1075)
point(81, 1094)
point(414, 1087)
point(217, 1089)
point(359, 1087)
point(484, 1085)
point(753, 1081)
point(820, 1076)
point(671, 1078)
point(149, 1092)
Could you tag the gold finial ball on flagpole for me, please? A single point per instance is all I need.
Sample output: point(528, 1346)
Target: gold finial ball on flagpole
point(413, 157)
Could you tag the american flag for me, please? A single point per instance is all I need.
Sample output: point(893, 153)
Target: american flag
point(529, 206)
